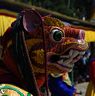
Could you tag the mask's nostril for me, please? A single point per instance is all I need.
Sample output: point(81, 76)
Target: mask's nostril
point(81, 34)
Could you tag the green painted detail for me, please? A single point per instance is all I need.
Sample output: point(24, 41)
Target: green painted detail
point(28, 94)
point(14, 89)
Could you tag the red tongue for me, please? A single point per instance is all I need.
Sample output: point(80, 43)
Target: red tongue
point(40, 79)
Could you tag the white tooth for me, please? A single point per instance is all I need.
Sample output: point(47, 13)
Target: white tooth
point(69, 55)
point(75, 53)
point(60, 61)
point(65, 56)
point(70, 52)
point(82, 53)
point(71, 65)
point(66, 62)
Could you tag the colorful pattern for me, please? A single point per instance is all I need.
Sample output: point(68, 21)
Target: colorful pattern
point(6, 89)
point(91, 86)
point(38, 41)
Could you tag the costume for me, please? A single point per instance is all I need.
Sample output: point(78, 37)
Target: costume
point(36, 46)
point(61, 87)
point(91, 86)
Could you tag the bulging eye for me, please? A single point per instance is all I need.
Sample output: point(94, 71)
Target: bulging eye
point(57, 34)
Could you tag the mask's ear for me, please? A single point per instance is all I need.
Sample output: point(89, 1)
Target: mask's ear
point(31, 20)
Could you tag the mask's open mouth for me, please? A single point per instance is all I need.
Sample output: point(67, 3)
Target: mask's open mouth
point(66, 60)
